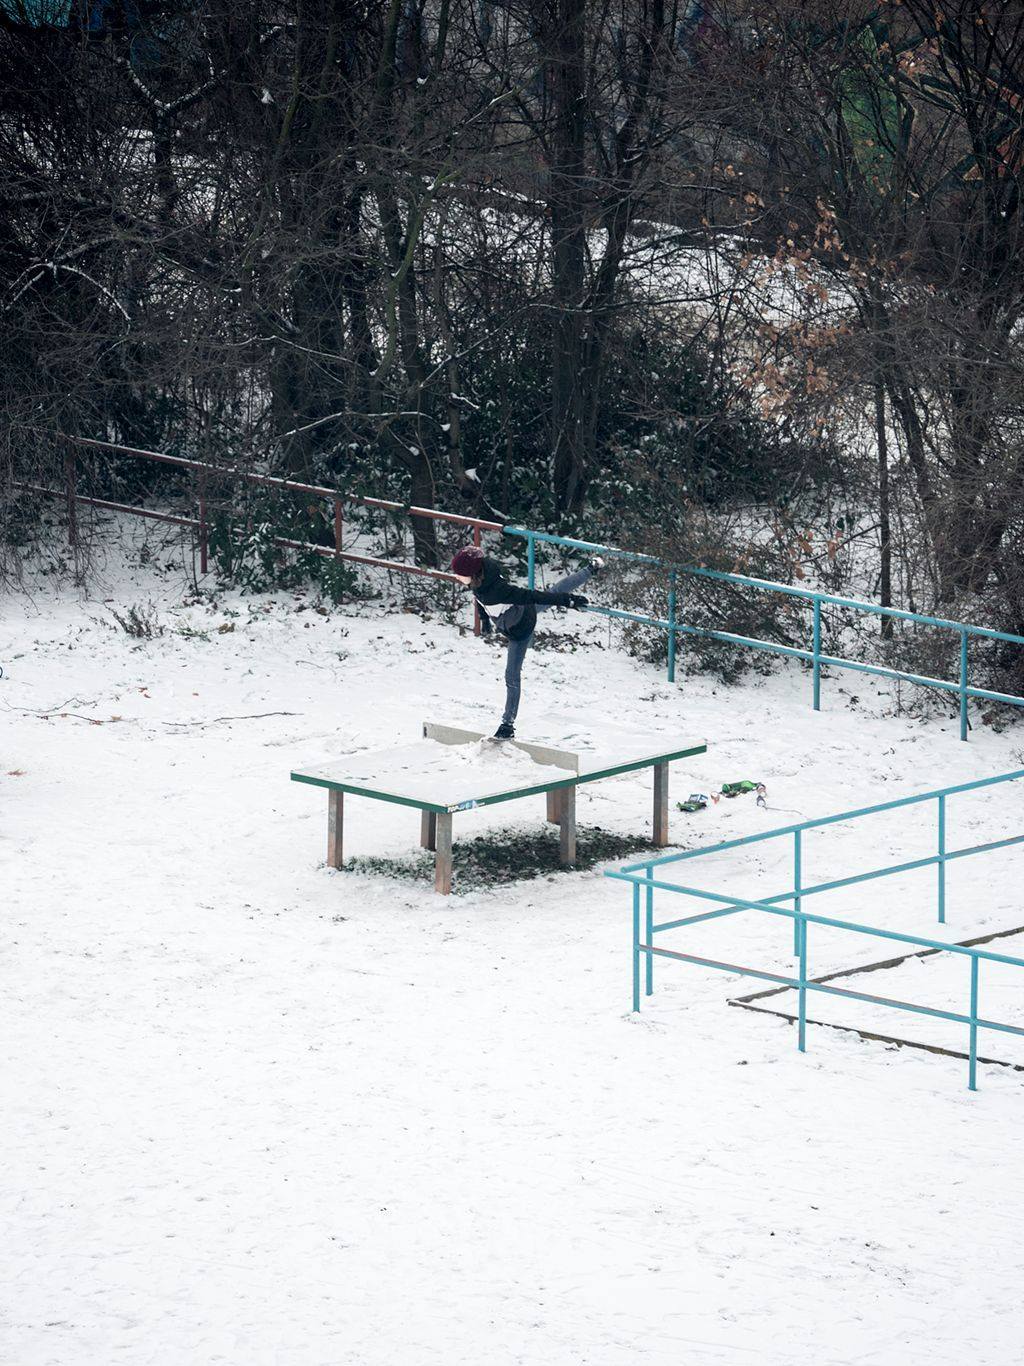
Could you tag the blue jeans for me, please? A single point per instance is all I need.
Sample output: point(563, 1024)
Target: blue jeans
point(517, 648)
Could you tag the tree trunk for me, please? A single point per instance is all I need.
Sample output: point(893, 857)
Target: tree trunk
point(902, 403)
point(422, 494)
point(885, 548)
point(566, 201)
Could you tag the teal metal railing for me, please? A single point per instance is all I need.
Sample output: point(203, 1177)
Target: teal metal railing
point(814, 656)
point(645, 879)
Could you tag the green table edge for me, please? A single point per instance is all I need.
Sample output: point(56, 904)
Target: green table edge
point(574, 780)
point(376, 794)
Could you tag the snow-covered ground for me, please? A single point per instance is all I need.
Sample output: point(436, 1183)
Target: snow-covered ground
point(256, 1111)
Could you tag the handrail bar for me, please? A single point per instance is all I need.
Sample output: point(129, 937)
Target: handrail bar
point(675, 629)
point(807, 594)
point(898, 936)
point(551, 539)
point(329, 552)
point(837, 883)
point(791, 905)
point(108, 505)
point(810, 984)
point(285, 485)
point(795, 652)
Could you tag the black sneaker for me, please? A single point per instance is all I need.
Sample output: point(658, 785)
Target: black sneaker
point(506, 731)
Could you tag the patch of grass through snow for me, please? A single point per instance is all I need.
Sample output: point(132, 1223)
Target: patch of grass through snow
point(504, 856)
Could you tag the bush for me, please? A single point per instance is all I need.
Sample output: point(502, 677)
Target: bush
point(243, 543)
point(674, 428)
point(139, 621)
point(710, 604)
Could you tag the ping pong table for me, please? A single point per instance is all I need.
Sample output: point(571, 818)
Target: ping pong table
point(453, 769)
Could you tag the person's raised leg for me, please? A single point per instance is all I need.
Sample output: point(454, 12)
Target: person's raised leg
point(570, 583)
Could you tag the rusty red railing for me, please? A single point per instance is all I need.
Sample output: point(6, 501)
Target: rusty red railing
point(200, 524)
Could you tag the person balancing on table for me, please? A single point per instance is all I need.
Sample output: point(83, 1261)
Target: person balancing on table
point(513, 612)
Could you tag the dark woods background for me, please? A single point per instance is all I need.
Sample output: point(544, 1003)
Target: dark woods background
point(704, 277)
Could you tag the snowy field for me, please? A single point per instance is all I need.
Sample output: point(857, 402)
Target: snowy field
point(261, 1113)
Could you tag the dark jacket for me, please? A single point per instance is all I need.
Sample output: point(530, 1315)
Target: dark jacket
point(512, 610)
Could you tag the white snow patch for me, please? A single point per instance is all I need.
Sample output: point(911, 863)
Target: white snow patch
point(260, 1112)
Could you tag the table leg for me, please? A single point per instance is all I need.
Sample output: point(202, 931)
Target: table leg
point(443, 858)
point(335, 827)
point(554, 806)
point(567, 827)
point(428, 829)
point(660, 805)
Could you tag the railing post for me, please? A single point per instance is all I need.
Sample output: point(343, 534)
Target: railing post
point(649, 930)
point(816, 650)
point(802, 1010)
point(636, 946)
point(796, 887)
point(942, 858)
point(963, 685)
point(531, 559)
point(70, 472)
point(476, 609)
point(672, 626)
point(972, 1078)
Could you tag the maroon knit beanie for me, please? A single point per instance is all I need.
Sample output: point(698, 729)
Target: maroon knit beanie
point(468, 561)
